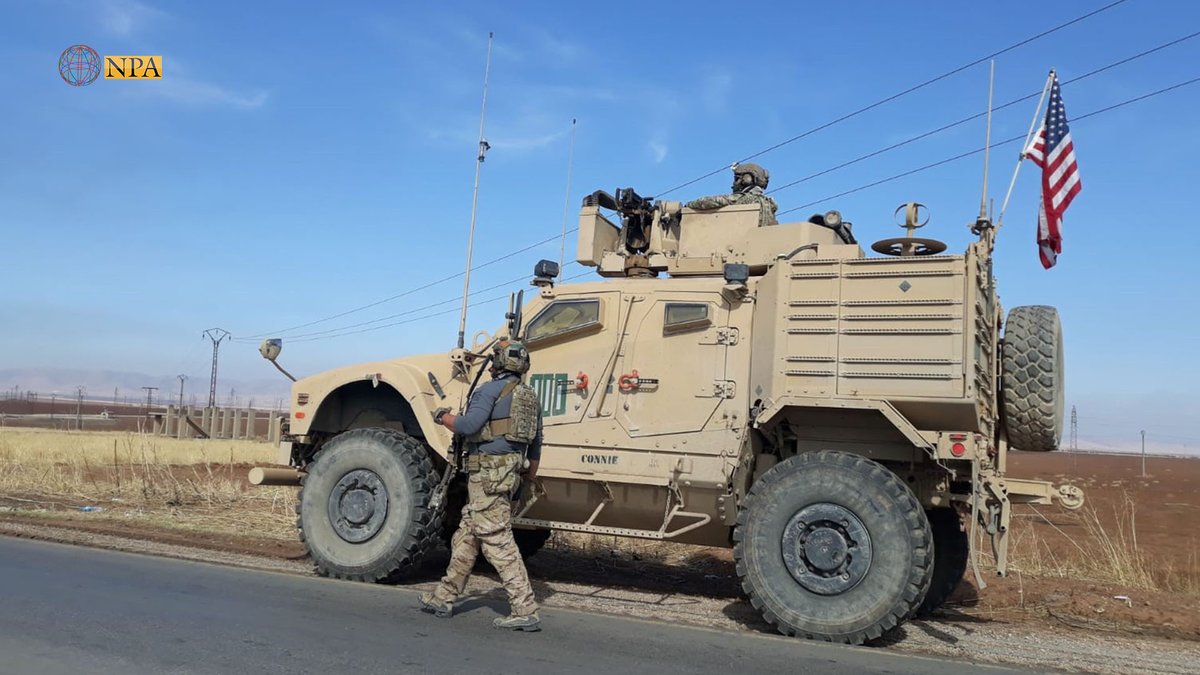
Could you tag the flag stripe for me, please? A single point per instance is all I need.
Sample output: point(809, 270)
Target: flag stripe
point(1053, 150)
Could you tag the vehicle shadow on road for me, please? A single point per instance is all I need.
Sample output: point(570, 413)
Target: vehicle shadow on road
point(947, 625)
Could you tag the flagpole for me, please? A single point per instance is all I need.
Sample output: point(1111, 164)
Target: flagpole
point(1021, 157)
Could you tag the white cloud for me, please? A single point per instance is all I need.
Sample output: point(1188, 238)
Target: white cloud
point(123, 18)
point(716, 89)
point(658, 149)
point(556, 48)
point(191, 92)
point(521, 143)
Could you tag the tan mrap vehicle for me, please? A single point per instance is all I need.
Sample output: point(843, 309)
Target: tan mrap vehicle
point(840, 420)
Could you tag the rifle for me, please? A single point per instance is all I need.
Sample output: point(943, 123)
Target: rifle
point(454, 462)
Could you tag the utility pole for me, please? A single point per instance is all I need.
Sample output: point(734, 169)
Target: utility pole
point(182, 378)
point(149, 396)
point(79, 407)
point(216, 335)
point(1074, 431)
point(53, 395)
point(116, 394)
point(1143, 453)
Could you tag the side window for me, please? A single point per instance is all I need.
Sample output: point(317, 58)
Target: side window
point(563, 318)
point(685, 316)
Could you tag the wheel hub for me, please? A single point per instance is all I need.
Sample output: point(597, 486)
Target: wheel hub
point(358, 505)
point(826, 548)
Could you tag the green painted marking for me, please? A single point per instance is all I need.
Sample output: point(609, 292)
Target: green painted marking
point(551, 389)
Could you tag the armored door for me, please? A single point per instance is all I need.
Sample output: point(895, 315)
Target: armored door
point(570, 340)
point(672, 377)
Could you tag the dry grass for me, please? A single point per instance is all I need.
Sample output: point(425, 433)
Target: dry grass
point(1103, 549)
point(200, 485)
point(188, 484)
point(45, 446)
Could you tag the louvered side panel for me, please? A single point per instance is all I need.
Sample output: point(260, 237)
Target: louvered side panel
point(809, 328)
point(901, 328)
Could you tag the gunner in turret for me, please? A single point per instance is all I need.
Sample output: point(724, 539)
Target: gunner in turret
point(749, 181)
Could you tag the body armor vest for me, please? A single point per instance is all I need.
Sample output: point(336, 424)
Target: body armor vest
point(521, 424)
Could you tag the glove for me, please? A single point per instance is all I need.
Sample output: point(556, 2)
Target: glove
point(437, 414)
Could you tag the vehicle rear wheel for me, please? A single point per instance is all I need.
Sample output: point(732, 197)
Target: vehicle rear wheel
point(833, 546)
point(529, 542)
point(1032, 378)
point(951, 549)
point(363, 506)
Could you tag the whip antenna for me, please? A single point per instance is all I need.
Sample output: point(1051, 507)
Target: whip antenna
point(982, 221)
point(562, 247)
point(483, 148)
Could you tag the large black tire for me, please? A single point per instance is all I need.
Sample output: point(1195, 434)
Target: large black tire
point(1032, 384)
point(951, 548)
point(529, 542)
point(350, 532)
point(882, 554)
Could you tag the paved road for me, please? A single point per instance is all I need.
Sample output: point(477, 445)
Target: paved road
point(65, 609)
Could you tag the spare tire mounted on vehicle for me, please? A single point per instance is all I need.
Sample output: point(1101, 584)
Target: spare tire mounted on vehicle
point(1032, 386)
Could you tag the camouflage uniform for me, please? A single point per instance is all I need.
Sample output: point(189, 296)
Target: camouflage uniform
point(493, 468)
point(487, 523)
point(745, 191)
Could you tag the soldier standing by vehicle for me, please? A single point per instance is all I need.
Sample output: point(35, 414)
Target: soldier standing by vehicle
point(749, 181)
point(501, 426)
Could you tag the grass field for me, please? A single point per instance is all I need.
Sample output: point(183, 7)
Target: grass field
point(188, 484)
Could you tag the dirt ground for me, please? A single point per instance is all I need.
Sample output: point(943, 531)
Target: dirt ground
point(1048, 586)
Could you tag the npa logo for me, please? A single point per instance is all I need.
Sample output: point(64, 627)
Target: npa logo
point(80, 65)
point(133, 67)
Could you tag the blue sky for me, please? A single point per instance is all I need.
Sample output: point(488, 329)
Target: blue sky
point(299, 160)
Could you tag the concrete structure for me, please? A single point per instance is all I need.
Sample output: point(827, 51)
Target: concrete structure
point(222, 423)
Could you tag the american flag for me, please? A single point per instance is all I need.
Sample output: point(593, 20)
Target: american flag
point(1053, 150)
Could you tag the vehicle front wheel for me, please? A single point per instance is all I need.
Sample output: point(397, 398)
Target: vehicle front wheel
point(364, 506)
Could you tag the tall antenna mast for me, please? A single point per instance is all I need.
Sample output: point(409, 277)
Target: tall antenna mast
point(483, 148)
point(983, 222)
point(562, 246)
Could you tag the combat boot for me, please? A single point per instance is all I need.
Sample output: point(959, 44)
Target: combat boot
point(529, 623)
point(440, 608)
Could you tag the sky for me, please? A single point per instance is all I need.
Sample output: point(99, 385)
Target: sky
point(301, 160)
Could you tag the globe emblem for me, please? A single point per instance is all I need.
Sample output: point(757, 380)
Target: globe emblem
point(79, 65)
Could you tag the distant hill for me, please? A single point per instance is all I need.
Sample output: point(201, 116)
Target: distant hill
point(100, 385)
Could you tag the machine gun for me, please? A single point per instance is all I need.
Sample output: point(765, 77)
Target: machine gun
point(637, 215)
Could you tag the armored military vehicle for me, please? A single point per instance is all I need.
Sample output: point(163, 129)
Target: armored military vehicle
point(840, 420)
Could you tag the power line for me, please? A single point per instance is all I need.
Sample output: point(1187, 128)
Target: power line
point(397, 296)
point(427, 316)
point(976, 116)
point(910, 172)
point(407, 312)
point(895, 96)
point(964, 155)
point(714, 172)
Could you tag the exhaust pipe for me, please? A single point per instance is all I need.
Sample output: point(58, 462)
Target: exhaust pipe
point(273, 476)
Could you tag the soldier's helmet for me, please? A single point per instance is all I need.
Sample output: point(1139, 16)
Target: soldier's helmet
point(760, 175)
point(510, 357)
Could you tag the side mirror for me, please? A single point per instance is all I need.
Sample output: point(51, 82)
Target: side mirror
point(270, 348)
